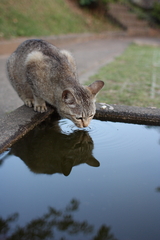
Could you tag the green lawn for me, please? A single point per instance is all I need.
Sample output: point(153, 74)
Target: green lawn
point(41, 18)
point(133, 78)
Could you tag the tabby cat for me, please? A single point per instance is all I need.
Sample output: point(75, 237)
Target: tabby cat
point(41, 73)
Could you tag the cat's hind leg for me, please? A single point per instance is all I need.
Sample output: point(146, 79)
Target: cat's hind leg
point(70, 58)
point(25, 93)
point(36, 70)
point(18, 82)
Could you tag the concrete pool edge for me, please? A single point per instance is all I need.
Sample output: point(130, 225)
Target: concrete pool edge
point(16, 124)
point(128, 114)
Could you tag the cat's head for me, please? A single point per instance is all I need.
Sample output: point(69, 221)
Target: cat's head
point(78, 103)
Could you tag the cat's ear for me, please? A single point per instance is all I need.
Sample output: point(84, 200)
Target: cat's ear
point(96, 86)
point(93, 162)
point(68, 97)
point(66, 166)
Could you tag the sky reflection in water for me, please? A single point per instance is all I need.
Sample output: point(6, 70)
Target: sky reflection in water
point(99, 183)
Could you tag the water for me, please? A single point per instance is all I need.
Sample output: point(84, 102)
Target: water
point(99, 183)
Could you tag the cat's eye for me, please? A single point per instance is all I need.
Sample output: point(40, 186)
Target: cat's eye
point(91, 116)
point(79, 118)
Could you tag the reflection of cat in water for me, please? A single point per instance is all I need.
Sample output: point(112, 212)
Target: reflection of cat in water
point(47, 150)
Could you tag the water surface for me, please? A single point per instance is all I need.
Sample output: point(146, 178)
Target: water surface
point(102, 182)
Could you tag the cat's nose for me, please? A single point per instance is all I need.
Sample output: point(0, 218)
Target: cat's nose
point(85, 123)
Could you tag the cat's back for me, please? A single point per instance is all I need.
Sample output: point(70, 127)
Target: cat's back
point(35, 50)
point(35, 45)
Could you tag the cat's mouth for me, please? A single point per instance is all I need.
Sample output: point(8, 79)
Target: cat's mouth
point(81, 122)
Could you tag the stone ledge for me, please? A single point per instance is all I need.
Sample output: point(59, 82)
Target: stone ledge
point(16, 124)
point(128, 114)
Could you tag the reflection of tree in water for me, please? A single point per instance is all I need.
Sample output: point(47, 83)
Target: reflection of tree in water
point(44, 227)
point(158, 189)
point(47, 150)
point(104, 234)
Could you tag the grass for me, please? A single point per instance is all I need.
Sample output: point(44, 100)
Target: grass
point(42, 18)
point(133, 78)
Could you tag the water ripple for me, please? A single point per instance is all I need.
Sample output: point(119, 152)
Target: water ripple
point(103, 133)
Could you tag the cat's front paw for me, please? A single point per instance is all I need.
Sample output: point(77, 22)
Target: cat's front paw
point(40, 108)
point(29, 102)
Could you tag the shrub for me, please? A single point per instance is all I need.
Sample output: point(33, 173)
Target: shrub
point(156, 12)
point(94, 2)
point(87, 2)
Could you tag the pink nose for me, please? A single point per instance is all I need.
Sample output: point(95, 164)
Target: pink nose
point(85, 123)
